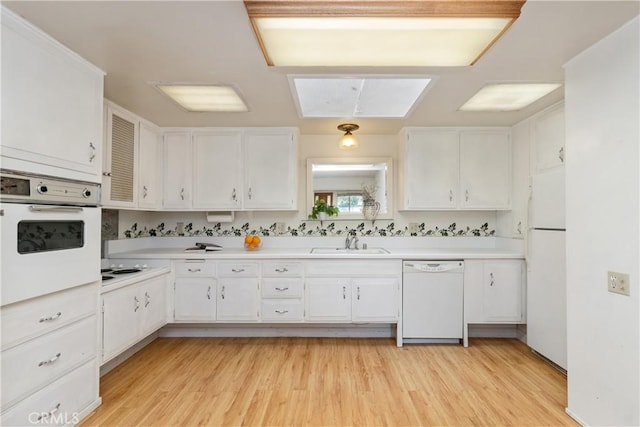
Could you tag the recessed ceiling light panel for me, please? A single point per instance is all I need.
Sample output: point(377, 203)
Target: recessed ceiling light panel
point(357, 96)
point(204, 98)
point(508, 96)
point(379, 33)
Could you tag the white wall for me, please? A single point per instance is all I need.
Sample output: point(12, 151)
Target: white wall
point(602, 115)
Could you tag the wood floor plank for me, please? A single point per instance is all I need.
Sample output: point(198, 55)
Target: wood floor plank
point(331, 382)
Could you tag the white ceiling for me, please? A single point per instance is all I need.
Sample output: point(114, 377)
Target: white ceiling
point(137, 42)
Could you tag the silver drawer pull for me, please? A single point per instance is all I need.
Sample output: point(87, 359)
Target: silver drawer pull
point(50, 361)
point(222, 292)
point(137, 301)
point(237, 270)
point(194, 270)
point(282, 289)
point(50, 318)
point(282, 311)
point(281, 270)
point(147, 299)
point(48, 414)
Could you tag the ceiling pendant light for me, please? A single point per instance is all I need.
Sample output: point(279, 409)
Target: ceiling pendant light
point(348, 141)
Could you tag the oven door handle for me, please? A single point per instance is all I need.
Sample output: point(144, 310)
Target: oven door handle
point(48, 208)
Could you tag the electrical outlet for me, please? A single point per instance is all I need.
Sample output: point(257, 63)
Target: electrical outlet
point(618, 283)
point(280, 227)
point(413, 228)
point(180, 228)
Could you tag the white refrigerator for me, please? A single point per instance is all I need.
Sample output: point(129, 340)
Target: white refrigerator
point(546, 268)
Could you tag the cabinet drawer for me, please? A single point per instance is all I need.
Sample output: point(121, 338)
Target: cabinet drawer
point(195, 269)
point(28, 319)
point(354, 267)
point(282, 288)
point(233, 269)
point(64, 399)
point(28, 367)
point(281, 269)
point(285, 310)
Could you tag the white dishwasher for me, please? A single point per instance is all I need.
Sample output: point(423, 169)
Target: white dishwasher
point(432, 299)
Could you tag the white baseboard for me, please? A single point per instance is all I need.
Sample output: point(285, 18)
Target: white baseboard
point(493, 331)
point(306, 330)
point(575, 417)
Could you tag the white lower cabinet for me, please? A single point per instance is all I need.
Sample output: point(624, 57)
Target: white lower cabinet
point(63, 402)
point(238, 299)
point(328, 299)
point(375, 300)
point(131, 313)
point(49, 358)
point(493, 292)
point(194, 299)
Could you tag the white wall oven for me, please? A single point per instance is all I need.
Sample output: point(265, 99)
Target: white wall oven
point(50, 235)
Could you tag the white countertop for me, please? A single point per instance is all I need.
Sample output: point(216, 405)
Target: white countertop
point(128, 279)
point(305, 253)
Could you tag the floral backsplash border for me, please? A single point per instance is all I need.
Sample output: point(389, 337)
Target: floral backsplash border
point(307, 230)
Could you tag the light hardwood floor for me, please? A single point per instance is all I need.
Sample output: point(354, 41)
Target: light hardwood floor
point(331, 382)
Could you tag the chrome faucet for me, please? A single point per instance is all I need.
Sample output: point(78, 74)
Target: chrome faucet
point(351, 239)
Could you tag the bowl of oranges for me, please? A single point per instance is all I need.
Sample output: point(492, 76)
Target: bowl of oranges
point(252, 242)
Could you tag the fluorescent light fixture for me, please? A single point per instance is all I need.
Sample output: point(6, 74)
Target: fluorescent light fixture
point(390, 96)
point(204, 98)
point(375, 33)
point(508, 96)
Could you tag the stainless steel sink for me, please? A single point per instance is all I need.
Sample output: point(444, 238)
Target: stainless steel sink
point(349, 251)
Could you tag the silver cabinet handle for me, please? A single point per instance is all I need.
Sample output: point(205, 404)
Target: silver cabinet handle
point(182, 193)
point(281, 270)
point(106, 173)
point(282, 311)
point(147, 299)
point(358, 293)
point(92, 152)
point(237, 270)
point(137, 301)
point(451, 195)
point(234, 196)
point(491, 277)
point(145, 191)
point(194, 270)
point(222, 292)
point(50, 361)
point(48, 208)
point(466, 195)
point(50, 318)
point(519, 228)
point(282, 289)
point(250, 194)
point(45, 415)
point(209, 292)
point(344, 292)
point(561, 154)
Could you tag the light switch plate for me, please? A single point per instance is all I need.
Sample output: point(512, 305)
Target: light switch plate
point(413, 228)
point(618, 283)
point(280, 227)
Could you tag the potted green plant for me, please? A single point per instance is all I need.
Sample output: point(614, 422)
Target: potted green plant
point(321, 210)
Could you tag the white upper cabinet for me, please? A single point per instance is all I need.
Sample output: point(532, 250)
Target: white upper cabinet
point(231, 169)
point(178, 170)
point(51, 105)
point(149, 167)
point(548, 138)
point(485, 169)
point(270, 173)
point(430, 162)
point(120, 178)
point(456, 168)
point(217, 170)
